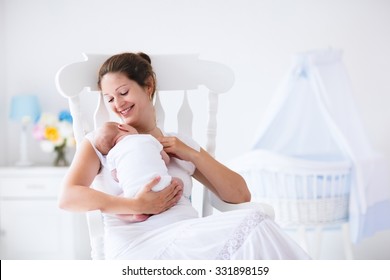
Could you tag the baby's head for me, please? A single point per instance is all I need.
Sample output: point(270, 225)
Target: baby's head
point(111, 133)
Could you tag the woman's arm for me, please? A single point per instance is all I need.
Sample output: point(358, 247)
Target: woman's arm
point(225, 183)
point(78, 196)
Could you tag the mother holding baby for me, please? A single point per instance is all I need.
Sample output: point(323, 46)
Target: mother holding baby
point(174, 230)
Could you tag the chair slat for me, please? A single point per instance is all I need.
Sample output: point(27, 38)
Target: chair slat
point(160, 114)
point(212, 123)
point(185, 117)
point(101, 114)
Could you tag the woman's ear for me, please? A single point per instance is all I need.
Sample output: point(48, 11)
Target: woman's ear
point(150, 86)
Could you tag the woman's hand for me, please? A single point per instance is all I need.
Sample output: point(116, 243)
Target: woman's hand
point(173, 146)
point(150, 202)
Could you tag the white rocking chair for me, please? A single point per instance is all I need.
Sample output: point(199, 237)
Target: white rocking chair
point(174, 73)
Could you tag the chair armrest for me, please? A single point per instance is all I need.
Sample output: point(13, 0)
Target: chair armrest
point(96, 234)
point(223, 206)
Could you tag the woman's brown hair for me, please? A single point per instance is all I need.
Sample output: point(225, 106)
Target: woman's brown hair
point(136, 67)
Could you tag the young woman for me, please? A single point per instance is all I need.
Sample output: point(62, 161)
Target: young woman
point(128, 83)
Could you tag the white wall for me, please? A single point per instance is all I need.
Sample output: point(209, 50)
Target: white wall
point(255, 37)
point(3, 113)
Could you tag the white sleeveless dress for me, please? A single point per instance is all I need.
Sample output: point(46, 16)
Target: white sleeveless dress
point(179, 233)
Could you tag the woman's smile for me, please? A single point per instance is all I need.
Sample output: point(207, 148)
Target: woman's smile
point(126, 111)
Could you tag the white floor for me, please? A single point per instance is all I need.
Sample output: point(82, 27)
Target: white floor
point(376, 247)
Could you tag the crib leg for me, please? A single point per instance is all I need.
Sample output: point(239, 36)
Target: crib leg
point(302, 238)
point(317, 242)
point(347, 242)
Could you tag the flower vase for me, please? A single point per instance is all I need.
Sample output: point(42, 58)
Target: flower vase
point(60, 159)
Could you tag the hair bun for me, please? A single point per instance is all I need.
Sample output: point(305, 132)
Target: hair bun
point(145, 56)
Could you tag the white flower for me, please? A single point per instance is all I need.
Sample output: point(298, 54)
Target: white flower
point(47, 146)
point(65, 129)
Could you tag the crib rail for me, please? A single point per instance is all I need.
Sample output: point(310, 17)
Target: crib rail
point(303, 198)
point(302, 191)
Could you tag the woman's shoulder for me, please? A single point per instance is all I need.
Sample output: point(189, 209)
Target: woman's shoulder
point(90, 137)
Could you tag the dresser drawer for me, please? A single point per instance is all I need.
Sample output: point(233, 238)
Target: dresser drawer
point(29, 187)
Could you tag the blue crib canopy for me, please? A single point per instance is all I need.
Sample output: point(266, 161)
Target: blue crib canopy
point(313, 116)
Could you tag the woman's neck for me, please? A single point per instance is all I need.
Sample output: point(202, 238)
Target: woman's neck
point(154, 131)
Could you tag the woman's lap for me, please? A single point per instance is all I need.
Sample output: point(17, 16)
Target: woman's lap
point(242, 234)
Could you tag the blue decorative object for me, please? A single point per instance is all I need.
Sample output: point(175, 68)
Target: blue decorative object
point(65, 115)
point(24, 109)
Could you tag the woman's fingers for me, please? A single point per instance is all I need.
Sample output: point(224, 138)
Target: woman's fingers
point(176, 194)
point(172, 191)
point(171, 195)
point(168, 141)
point(174, 147)
point(157, 202)
point(176, 197)
point(152, 183)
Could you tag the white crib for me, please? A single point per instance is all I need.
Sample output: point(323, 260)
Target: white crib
point(306, 194)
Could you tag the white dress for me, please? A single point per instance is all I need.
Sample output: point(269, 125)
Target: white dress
point(179, 233)
point(137, 160)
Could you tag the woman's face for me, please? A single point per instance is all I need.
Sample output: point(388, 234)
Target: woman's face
point(128, 100)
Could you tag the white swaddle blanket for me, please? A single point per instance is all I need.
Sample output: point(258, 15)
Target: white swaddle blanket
point(137, 160)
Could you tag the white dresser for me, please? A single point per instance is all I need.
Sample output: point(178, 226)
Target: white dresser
point(31, 224)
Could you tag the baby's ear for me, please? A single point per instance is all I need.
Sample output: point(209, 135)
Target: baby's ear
point(123, 127)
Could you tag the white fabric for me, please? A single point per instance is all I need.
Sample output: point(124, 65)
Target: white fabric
point(180, 234)
point(137, 160)
point(313, 116)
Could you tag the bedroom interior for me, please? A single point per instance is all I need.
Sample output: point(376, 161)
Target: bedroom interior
point(256, 39)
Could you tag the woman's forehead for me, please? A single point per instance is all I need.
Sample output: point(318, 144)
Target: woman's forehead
point(112, 82)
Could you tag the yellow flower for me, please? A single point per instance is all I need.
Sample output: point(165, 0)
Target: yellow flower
point(51, 133)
